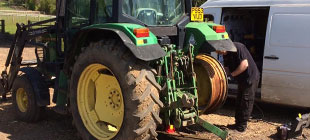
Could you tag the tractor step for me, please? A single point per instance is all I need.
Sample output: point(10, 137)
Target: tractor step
point(29, 62)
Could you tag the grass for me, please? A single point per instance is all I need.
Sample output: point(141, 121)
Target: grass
point(12, 19)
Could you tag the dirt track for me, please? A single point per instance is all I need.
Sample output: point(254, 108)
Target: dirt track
point(59, 127)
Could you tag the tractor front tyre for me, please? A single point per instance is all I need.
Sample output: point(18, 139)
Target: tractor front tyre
point(24, 101)
point(113, 95)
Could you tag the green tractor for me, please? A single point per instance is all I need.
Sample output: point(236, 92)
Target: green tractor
point(120, 67)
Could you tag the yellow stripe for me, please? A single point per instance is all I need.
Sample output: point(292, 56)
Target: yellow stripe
point(140, 42)
point(226, 36)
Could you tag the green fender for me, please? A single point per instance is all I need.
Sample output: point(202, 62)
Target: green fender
point(205, 40)
point(144, 48)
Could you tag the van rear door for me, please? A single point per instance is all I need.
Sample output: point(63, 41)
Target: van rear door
point(286, 67)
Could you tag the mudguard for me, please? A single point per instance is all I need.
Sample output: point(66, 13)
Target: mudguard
point(206, 40)
point(146, 48)
point(146, 53)
point(39, 86)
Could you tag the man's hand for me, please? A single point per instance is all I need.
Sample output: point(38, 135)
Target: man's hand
point(241, 68)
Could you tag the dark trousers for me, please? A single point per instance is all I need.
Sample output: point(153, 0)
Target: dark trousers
point(245, 102)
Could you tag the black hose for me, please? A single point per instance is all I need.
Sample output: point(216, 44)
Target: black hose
point(262, 116)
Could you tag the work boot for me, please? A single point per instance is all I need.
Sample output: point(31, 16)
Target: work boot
point(239, 128)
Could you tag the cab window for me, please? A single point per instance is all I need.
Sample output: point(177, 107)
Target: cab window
point(155, 12)
point(103, 10)
point(78, 12)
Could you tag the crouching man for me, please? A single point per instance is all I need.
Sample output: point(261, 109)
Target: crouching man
point(244, 70)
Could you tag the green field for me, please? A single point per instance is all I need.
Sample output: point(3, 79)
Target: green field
point(12, 18)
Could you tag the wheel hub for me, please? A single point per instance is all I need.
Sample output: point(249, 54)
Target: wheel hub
point(22, 100)
point(115, 99)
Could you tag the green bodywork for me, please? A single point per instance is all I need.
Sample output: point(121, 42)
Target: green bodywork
point(202, 32)
point(179, 80)
point(62, 89)
point(127, 28)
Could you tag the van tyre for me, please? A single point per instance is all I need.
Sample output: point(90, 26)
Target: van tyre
point(24, 101)
point(140, 91)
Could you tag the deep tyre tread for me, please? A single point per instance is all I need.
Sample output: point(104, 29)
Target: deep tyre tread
point(34, 112)
point(138, 84)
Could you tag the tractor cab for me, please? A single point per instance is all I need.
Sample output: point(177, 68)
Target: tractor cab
point(155, 12)
point(162, 17)
point(143, 12)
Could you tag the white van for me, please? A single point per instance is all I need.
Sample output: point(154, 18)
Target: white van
point(277, 33)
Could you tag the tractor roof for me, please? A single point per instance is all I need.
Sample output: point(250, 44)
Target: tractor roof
point(254, 3)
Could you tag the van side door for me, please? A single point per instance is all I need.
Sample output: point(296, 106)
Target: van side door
point(286, 67)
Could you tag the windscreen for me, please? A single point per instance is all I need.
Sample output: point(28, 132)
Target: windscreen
point(155, 12)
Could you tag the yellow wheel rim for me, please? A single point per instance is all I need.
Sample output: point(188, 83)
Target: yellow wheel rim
point(21, 99)
point(204, 85)
point(211, 83)
point(100, 101)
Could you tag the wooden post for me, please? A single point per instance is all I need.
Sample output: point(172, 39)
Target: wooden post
point(2, 26)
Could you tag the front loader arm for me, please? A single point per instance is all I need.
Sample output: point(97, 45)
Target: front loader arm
point(24, 34)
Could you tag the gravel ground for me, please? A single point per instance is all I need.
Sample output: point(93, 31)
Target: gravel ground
point(55, 126)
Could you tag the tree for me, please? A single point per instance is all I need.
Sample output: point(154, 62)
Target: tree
point(17, 2)
point(197, 3)
point(31, 4)
point(46, 6)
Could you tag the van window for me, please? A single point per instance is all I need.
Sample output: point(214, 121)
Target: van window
point(290, 30)
point(208, 18)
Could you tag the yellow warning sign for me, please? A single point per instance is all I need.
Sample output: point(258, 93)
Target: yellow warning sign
point(197, 14)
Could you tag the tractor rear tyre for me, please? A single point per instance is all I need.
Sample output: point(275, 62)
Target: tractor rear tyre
point(113, 95)
point(24, 101)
